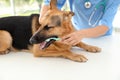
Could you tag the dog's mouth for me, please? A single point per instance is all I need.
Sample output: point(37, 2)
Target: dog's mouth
point(48, 42)
point(43, 42)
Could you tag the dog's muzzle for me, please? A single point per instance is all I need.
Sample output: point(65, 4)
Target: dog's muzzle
point(42, 41)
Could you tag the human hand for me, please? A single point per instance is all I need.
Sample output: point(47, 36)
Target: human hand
point(72, 38)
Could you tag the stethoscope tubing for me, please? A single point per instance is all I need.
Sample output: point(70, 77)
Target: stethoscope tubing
point(103, 4)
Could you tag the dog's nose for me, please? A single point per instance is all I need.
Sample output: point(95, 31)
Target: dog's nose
point(32, 41)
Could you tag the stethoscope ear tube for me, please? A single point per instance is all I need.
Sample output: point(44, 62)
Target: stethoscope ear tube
point(97, 14)
point(93, 20)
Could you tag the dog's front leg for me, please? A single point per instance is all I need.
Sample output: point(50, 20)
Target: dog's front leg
point(75, 57)
point(65, 54)
point(88, 48)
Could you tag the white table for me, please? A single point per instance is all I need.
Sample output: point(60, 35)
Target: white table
point(100, 66)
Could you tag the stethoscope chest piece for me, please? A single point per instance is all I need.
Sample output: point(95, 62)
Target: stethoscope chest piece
point(87, 4)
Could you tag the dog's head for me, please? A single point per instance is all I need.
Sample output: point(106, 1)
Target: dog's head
point(53, 24)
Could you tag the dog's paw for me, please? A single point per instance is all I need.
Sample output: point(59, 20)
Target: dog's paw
point(79, 58)
point(4, 52)
point(93, 49)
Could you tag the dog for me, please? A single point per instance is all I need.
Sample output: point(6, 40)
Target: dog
point(26, 32)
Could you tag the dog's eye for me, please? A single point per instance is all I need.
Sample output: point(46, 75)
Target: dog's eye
point(47, 27)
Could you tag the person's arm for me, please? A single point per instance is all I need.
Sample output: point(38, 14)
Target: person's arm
point(104, 25)
point(94, 32)
point(75, 37)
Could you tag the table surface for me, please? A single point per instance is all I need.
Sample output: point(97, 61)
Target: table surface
point(100, 66)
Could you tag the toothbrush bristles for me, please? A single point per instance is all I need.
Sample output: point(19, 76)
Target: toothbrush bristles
point(56, 39)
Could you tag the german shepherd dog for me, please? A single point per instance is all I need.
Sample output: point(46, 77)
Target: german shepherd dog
point(21, 32)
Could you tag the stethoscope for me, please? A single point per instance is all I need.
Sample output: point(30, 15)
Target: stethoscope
point(100, 6)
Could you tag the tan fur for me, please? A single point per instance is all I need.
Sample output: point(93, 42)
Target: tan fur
point(35, 25)
point(5, 42)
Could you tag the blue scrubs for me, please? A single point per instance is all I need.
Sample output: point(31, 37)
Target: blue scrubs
point(82, 15)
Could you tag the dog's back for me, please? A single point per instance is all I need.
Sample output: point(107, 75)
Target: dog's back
point(19, 28)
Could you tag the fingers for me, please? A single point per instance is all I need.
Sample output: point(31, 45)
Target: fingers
point(73, 42)
point(66, 37)
point(69, 40)
point(72, 38)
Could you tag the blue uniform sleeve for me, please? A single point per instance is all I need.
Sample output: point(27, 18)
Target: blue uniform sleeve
point(60, 3)
point(109, 14)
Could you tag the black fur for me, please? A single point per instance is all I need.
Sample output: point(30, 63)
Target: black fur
point(20, 29)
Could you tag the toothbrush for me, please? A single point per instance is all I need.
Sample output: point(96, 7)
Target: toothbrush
point(56, 39)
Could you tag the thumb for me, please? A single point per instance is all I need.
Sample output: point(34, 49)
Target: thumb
point(65, 37)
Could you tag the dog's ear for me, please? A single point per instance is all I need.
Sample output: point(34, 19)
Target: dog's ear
point(71, 13)
point(67, 15)
point(53, 4)
point(35, 24)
